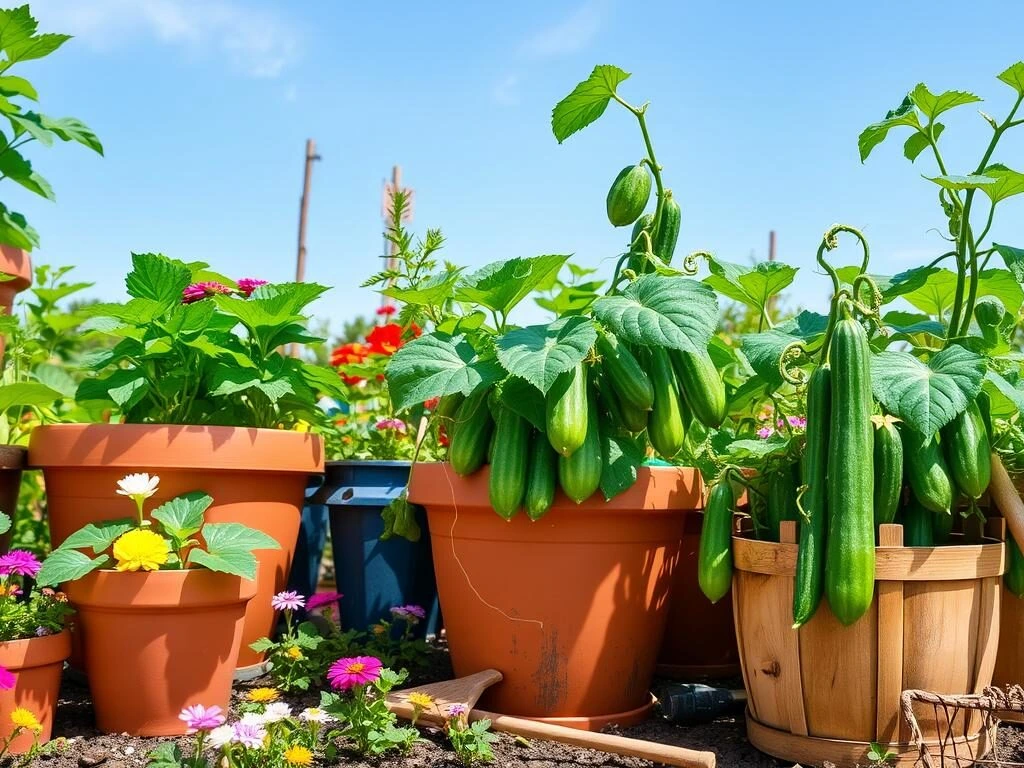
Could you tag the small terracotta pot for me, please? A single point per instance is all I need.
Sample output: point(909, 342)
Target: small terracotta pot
point(12, 461)
point(571, 608)
point(18, 264)
point(256, 477)
point(158, 642)
point(37, 664)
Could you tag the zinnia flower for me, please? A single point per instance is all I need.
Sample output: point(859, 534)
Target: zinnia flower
point(421, 700)
point(358, 670)
point(141, 549)
point(287, 601)
point(199, 291)
point(19, 563)
point(23, 718)
point(457, 710)
point(385, 425)
point(7, 679)
point(220, 736)
point(409, 613)
point(298, 755)
point(249, 284)
point(263, 695)
point(248, 735)
point(200, 718)
point(314, 715)
point(138, 486)
point(387, 310)
point(765, 432)
point(276, 712)
point(322, 600)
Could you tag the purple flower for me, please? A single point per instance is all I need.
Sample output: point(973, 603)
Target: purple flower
point(199, 291)
point(456, 710)
point(7, 679)
point(765, 432)
point(249, 284)
point(287, 601)
point(249, 735)
point(409, 613)
point(19, 563)
point(200, 718)
point(798, 422)
point(390, 424)
point(322, 600)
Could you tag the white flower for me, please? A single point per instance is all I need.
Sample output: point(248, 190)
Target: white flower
point(138, 486)
point(220, 736)
point(253, 718)
point(276, 711)
point(314, 715)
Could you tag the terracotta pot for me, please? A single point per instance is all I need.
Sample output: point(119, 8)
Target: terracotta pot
point(158, 642)
point(255, 476)
point(571, 608)
point(700, 637)
point(37, 664)
point(825, 691)
point(18, 264)
point(12, 461)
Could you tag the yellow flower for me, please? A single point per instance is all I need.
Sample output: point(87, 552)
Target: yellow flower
point(297, 755)
point(141, 549)
point(378, 629)
point(263, 695)
point(421, 700)
point(294, 653)
point(22, 718)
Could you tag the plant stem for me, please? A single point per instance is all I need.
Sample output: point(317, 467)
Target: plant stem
point(640, 112)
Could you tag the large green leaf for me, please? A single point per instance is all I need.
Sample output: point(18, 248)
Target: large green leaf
point(587, 102)
point(431, 292)
point(661, 311)
point(764, 350)
point(754, 285)
point(24, 394)
point(622, 457)
point(98, 536)
point(503, 284)
point(1013, 76)
point(927, 397)
point(932, 289)
point(1013, 258)
point(436, 365)
point(523, 398)
point(956, 183)
point(918, 329)
point(183, 516)
point(19, 170)
point(12, 85)
point(875, 134)
point(1007, 182)
point(287, 298)
point(18, 38)
point(933, 105)
point(15, 230)
point(539, 353)
point(65, 565)
point(72, 129)
point(1005, 399)
point(157, 278)
point(918, 142)
point(229, 380)
point(124, 387)
point(229, 549)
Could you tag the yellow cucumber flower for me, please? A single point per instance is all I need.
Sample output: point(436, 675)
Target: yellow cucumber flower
point(141, 549)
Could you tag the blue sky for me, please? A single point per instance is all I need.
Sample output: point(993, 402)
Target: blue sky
point(204, 107)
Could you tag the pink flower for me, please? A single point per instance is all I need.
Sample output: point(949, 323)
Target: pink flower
point(358, 670)
point(19, 563)
point(798, 422)
point(385, 424)
point(249, 735)
point(249, 284)
point(7, 679)
point(199, 291)
point(199, 718)
point(287, 601)
point(457, 710)
point(765, 432)
point(410, 613)
point(322, 600)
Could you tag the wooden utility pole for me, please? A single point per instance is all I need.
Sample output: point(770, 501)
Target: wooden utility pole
point(771, 245)
point(387, 213)
point(300, 259)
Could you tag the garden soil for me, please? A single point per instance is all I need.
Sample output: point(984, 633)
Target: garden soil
point(83, 747)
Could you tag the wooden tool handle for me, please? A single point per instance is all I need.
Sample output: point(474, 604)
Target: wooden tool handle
point(602, 742)
point(1007, 500)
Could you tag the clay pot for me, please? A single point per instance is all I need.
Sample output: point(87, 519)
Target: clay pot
point(158, 642)
point(37, 664)
point(256, 477)
point(12, 461)
point(17, 264)
point(571, 608)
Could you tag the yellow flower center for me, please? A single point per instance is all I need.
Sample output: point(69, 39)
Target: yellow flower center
point(141, 550)
point(356, 667)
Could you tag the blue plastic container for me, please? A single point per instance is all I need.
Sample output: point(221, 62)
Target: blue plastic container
point(309, 549)
point(375, 575)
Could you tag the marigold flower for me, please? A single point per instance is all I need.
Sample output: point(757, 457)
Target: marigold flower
point(322, 600)
point(19, 563)
point(298, 755)
point(141, 549)
point(419, 699)
point(138, 486)
point(263, 695)
point(23, 718)
point(249, 284)
point(7, 679)
point(200, 718)
point(287, 601)
point(199, 291)
point(294, 653)
point(351, 672)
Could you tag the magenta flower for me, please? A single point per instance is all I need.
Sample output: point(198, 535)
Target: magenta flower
point(249, 735)
point(385, 425)
point(409, 613)
point(287, 601)
point(358, 670)
point(765, 432)
point(7, 679)
point(199, 291)
point(19, 563)
point(249, 284)
point(797, 422)
point(322, 600)
point(200, 718)
point(457, 710)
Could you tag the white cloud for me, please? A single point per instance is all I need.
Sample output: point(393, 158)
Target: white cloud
point(256, 42)
point(506, 91)
point(569, 35)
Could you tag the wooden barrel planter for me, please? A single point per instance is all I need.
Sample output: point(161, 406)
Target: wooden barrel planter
point(1010, 660)
point(825, 691)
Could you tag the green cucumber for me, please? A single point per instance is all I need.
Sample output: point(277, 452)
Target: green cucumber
point(701, 385)
point(509, 462)
point(942, 526)
point(888, 460)
point(542, 476)
point(1014, 578)
point(668, 229)
point(782, 491)
point(448, 406)
point(628, 195)
point(809, 583)
point(926, 470)
point(968, 452)
point(759, 508)
point(714, 557)
point(850, 553)
point(566, 410)
point(989, 313)
point(638, 245)
point(471, 434)
point(624, 373)
point(666, 428)
point(580, 474)
point(918, 525)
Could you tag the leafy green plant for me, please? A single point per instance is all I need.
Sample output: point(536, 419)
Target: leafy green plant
point(20, 41)
point(366, 722)
point(880, 756)
point(471, 742)
point(193, 347)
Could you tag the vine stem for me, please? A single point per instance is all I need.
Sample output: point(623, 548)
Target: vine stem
point(640, 114)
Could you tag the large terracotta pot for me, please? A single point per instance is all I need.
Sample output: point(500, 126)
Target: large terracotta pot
point(37, 664)
point(255, 476)
point(571, 608)
point(825, 691)
point(12, 461)
point(158, 642)
point(17, 264)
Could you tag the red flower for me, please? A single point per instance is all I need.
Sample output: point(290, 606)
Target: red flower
point(431, 404)
point(387, 310)
point(387, 339)
point(442, 436)
point(353, 352)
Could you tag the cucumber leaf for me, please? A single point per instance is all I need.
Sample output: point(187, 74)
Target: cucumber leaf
point(1013, 76)
point(67, 565)
point(524, 399)
point(933, 289)
point(435, 365)
point(1005, 399)
point(1007, 183)
point(587, 102)
point(503, 284)
point(875, 134)
point(753, 286)
point(1013, 258)
point(622, 457)
point(933, 105)
point(539, 353)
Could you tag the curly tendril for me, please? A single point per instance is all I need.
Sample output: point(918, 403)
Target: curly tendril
point(790, 372)
point(690, 261)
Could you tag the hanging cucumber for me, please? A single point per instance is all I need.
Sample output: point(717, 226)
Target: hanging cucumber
point(809, 583)
point(701, 385)
point(1014, 578)
point(566, 410)
point(926, 471)
point(989, 313)
point(714, 558)
point(448, 406)
point(624, 373)
point(665, 426)
point(968, 453)
point(580, 473)
point(509, 462)
point(638, 245)
point(628, 195)
point(850, 554)
point(542, 476)
point(668, 229)
point(471, 434)
point(918, 525)
point(782, 491)
point(888, 460)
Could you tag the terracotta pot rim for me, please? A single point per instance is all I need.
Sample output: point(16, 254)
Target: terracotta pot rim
point(35, 651)
point(16, 262)
point(110, 590)
point(175, 446)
